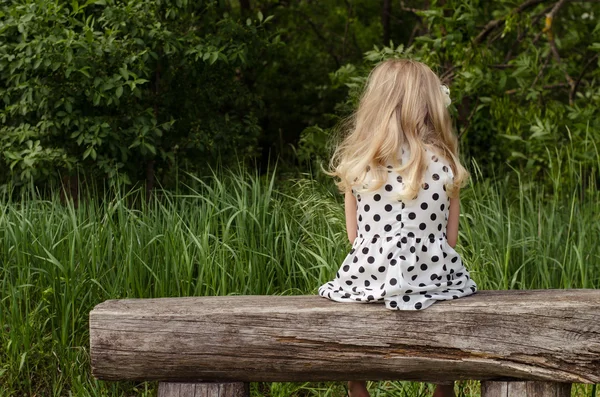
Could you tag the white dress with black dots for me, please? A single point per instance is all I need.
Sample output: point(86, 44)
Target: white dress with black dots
point(401, 255)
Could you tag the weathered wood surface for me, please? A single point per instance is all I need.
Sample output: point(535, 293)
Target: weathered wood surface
point(525, 389)
point(548, 335)
point(229, 389)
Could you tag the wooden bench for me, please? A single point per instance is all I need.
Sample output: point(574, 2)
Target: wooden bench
point(518, 343)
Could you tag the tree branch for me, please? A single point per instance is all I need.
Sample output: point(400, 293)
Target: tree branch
point(493, 24)
point(548, 30)
point(574, 87)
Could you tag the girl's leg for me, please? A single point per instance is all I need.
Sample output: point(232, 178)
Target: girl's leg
point(444, 389)
point(358, 388)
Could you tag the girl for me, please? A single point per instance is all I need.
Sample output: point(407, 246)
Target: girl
point(401, 175)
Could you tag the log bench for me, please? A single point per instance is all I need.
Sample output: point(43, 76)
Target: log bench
point(517, 342)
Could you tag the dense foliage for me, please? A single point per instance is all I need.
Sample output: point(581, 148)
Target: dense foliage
point(138, 89)
point(123, 88)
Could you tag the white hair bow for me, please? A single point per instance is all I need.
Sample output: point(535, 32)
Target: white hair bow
point(446, 91)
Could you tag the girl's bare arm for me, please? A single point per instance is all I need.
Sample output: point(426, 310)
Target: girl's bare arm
point(350, 208)
point(452, 227)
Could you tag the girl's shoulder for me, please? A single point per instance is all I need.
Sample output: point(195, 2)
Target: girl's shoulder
point(438, 162)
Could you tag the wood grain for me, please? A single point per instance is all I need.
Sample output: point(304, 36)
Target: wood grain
point(546, 335)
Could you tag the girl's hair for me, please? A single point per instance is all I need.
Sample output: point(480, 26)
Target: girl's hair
point(402, 102)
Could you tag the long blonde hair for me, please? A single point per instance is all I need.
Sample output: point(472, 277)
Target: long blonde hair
point(402, 102)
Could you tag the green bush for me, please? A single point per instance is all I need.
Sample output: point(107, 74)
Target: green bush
point(125, 87)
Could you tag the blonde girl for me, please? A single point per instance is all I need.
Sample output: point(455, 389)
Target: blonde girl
point(399, 169)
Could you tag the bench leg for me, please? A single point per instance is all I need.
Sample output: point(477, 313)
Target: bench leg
point(203, 389)
point(525, 389)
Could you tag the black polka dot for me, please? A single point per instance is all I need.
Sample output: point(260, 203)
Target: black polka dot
point(424, 248)
point(412, 250)
point(410, 268)
point(365, 250)
point(390, 255)
point(367, 227)
point(406, 298)
point(377, 197)
point(361, 269)
point(433, 276)
point(433, 217)
point(423, 266)
point(373, 277)
point(425, 186)
point(370, 259)
point(367, 283)
point(424, 206)
point(388, 188)
point(454, 259)
point(360, 218)
point(402, 257)
point(434, 158)
point(399, 179)
point(435, 177)
point(435, 196)
point(445, 168)
point(418, 305)
point(381, 269)
point(422, 285)
point(399, 218)
point(348, 282)
point(411, 234)
point(367, 207)
point(442, 207)
point(374, 240)
point(388, 207)
point(440, 227)
point(355, 259)
point(393, 304)
point(393, 262)
point(387, 228)
point(393, 281)
point(412, 215)
point(413, 278)
point(346, 268)
point(376, 217)
point(435, 258)
point(422, 226)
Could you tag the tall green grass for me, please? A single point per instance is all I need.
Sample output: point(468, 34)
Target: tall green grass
point(237, 232)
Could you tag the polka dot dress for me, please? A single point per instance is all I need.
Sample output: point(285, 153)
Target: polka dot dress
point(401, 255)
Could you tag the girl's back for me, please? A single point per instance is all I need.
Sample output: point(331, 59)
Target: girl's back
point(401, 255)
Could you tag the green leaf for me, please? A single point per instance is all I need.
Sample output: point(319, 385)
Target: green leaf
point(119, 91)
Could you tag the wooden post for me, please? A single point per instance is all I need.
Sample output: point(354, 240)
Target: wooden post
point(525, 389)
point(204, 389)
